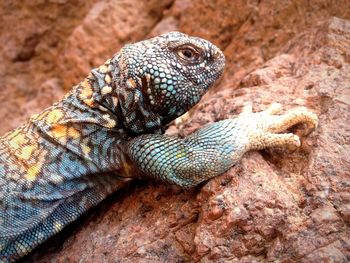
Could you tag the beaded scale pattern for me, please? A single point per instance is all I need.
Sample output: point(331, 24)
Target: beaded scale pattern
point(108, 130)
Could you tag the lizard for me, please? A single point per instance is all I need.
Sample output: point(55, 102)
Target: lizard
point(109, 129)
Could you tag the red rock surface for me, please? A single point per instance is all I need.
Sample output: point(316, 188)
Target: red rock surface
point(273, 205)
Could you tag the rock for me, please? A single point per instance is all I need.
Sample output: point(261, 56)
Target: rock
point(274, 205)
point(105, 29)
point(300, 212)
point(32, 35)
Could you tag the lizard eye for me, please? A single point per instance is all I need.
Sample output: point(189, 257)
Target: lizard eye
point(188, 54)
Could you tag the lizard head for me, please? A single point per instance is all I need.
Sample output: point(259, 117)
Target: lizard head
point(164, 77)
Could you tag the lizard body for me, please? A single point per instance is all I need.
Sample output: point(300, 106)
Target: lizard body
point(108, 130)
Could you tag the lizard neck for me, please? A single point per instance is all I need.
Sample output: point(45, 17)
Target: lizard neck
point(98, 91)
point(114, 88)
point(85, 123)
point(137, 113)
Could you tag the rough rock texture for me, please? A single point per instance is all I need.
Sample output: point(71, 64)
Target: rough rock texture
point(273, 205)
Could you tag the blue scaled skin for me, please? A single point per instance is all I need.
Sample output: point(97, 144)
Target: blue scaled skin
point(71, 156)
point(216, 147)
point(108, 130)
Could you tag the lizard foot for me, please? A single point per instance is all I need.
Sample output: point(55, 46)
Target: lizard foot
point(264, 128)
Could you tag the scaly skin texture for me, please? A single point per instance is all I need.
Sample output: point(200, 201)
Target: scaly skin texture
point(108, 130)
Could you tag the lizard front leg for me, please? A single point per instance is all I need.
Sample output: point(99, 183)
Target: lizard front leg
point(215, 148)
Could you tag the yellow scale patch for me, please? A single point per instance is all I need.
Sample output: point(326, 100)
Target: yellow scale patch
point(180, 155)
point(131, 83)
point(86, 93)
point(23, 147)
point(26, 152)
point(57, 226)
point(110, 122)
point(53, 116)
point(103, 69)
point(108, 79)
point(17, 141)
point(33, 172)
point(106, 89)
point(85, 148)
point(60, 131)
